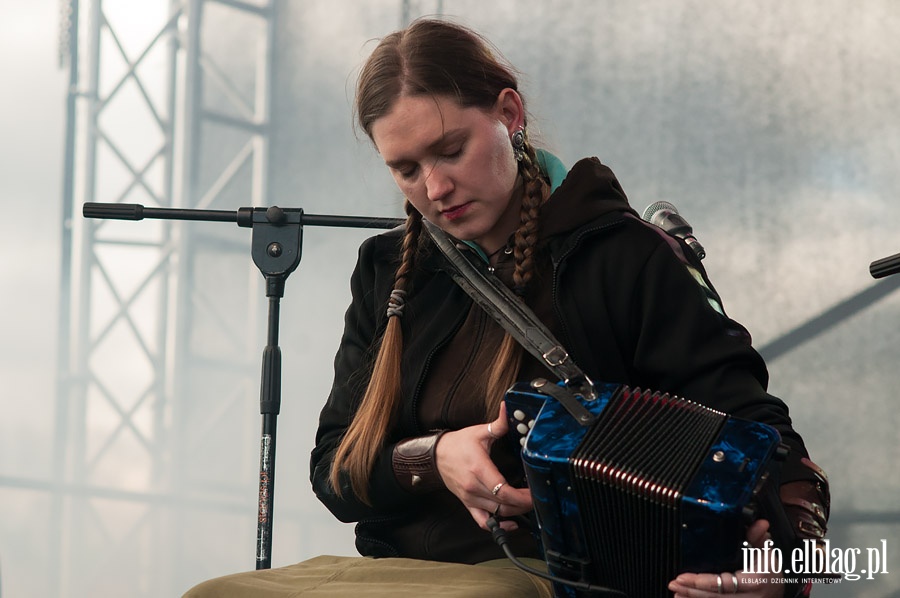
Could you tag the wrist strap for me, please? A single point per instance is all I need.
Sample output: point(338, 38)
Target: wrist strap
point(414, 462)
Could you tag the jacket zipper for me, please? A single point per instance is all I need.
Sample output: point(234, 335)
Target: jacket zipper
point(467, 366)
point(421, 382)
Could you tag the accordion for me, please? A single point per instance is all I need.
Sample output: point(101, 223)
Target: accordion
point(639, 486)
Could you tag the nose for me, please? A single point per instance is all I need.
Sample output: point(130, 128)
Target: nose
point(438, 184)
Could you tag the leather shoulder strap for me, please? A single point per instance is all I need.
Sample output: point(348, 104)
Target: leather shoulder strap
point(510, 312)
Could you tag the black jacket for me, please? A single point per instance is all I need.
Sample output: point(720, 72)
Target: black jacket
point(631, 304)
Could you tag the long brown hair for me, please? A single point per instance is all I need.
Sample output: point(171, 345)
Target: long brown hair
point(433, 58)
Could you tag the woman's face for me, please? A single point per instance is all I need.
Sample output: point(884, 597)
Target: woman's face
point(456, 165)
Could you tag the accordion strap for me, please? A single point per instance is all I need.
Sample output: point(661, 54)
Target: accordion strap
point(511, 312)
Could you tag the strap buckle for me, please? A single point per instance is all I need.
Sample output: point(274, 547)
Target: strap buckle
point(556, 356)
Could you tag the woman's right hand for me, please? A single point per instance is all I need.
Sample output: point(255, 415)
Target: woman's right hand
point(464, 462)
point(747, 584)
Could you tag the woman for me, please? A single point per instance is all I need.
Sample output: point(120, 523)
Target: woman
point(406, 442)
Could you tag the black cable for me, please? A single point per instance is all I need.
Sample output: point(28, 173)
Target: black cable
point(499, 535)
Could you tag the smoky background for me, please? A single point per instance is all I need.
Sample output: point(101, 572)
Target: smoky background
point(129, 435)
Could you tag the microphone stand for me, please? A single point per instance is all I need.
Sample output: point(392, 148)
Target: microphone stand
point(276, 245)
point(885, 266)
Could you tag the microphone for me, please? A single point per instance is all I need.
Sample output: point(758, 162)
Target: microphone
point(666, 216)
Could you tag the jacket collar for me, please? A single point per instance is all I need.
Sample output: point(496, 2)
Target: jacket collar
point(589, 191)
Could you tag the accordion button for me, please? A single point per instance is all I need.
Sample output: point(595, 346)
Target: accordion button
point(522, 429)
point(519, 415)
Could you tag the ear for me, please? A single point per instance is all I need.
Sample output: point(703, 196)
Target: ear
point(510, 109)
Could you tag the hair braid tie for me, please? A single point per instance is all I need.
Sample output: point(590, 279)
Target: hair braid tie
point(396, 303)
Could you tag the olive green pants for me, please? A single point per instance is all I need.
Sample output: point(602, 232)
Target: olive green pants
point(359, 577)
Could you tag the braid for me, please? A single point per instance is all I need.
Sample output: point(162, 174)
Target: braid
point(366, 435)
point(410, 246)
point(526, 235)
point(505, 367)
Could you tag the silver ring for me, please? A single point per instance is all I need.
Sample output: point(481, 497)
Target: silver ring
point(491, 432)
point(734, 578)
point(496, 489)
point(719, 584)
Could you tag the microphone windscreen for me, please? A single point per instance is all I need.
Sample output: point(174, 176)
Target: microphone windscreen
point(656, 207)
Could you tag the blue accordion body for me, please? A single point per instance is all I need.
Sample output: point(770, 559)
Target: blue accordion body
point(655, 486)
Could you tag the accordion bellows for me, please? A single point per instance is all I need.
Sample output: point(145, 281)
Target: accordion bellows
point(655, 486)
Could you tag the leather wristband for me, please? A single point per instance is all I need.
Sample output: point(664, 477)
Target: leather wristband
point(415, 464)
point(807, 503)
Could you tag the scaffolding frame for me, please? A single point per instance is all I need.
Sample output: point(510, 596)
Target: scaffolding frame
point(96, 413)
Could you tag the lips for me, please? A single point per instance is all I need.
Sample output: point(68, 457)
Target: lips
point(456, 211)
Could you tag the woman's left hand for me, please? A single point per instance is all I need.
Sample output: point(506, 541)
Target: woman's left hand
point(464, 463)
point(748, 585)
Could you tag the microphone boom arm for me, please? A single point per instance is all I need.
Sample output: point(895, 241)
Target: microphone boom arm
point(276, 244)
point(885, 266)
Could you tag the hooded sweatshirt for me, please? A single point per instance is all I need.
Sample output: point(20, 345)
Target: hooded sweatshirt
point(631, 304)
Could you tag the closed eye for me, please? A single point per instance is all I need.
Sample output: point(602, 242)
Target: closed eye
point(452, 153)
point(407, 173)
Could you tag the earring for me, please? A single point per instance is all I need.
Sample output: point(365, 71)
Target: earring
point(518, 144)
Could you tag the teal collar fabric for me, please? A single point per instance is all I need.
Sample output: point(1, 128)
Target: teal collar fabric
point(555, 170)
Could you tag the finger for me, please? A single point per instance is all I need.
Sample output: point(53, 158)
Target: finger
point(487, 503)
point(511, 511)
point(758, 533)
point(733, 583)
point(509, 526)
point(481, 516)
point(699, 585)
point(519, 498)
point(500, 426)
point(512, 501)
point(497, 489)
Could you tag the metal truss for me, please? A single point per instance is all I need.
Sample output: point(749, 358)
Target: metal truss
point(147, 97)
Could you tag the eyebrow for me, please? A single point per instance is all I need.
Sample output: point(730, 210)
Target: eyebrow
point(447, 138)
